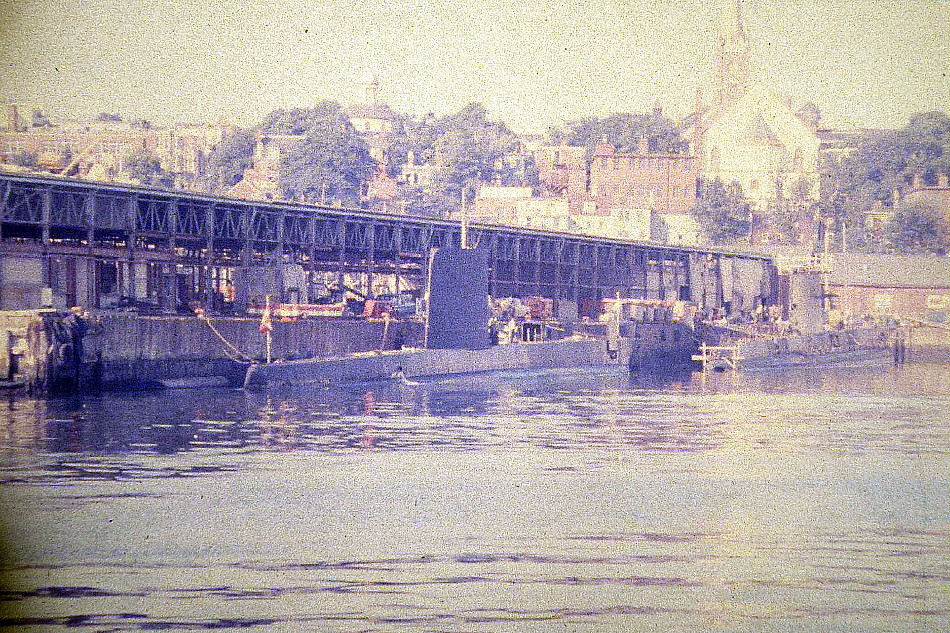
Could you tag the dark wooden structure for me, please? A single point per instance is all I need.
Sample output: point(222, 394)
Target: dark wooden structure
point(85, 242)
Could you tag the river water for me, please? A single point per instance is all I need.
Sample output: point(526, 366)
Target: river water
point(568, 500)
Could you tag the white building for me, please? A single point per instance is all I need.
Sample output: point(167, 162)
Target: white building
point(749, 135)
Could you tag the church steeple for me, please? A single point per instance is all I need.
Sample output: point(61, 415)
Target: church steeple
point(372, 90)
point(732, 55)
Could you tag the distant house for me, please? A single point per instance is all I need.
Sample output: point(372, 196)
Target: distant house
point(677, 228)
point(261, 181)
point(551, 214)
point(752, 136)
point(413, 174)
point(760, 142)
point(99, 149)
point(562, 170)
point(935, 195)
point(373, 120)
point(499, 204)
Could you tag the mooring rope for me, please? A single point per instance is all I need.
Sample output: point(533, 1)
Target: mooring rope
point(238, 356)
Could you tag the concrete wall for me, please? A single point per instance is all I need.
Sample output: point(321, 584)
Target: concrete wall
point(24, 341)
point(135, 348)
point(21, 281)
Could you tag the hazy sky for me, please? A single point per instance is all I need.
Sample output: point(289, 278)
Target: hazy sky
point(531, 63)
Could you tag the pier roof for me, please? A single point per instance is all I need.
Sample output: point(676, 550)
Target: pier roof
point(890, 271)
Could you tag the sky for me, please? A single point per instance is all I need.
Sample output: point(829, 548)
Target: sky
point(534, 63)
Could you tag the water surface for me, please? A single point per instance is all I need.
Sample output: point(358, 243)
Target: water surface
point(568, 500)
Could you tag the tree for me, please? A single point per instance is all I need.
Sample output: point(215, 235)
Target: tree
point(230, 158)
point(793, 217)
point(883, 164)
point(413, 136)
point(918, 229)
point(421, 202)
point(109, 117)
point(472, 150)
point(723, 211)
point(331, 161)
point(147, 169)
point(468, 147)
point(624, 131)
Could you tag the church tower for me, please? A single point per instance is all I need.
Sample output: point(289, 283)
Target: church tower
point(372, 90)
point(732, 56)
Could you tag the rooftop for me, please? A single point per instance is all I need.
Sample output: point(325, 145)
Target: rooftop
point(890, 271)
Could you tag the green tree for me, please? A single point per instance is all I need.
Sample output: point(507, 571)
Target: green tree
point(884, 164)
point(410, 135)
point(230, 158)
point(918, 229)
point(625, 130)
point(425, 203)
point(468, 147)
point(793, 217)
point(723, 211)
point(331, 161)
point(146, 167)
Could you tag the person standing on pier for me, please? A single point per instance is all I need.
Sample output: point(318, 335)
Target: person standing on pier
point(75, 323)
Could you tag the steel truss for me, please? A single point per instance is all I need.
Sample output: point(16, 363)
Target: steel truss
point(50, 215)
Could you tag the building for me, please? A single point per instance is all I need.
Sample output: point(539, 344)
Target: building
point(562, 170)
point(413, 174)
point(100, 149)
point(499, 204)
point(550, 214)
point(620, 223)
point(373, 120)
point(261, 181)
point(750, 135)
point(680, 229)
point(911, 288)
point(661, 182)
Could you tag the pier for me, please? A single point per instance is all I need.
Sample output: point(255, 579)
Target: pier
point(73, 242)
point(143, 259)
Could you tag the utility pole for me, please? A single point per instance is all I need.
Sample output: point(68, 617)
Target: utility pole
point(464, 238)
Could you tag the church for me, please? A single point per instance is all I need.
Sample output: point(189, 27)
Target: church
point(750, 135)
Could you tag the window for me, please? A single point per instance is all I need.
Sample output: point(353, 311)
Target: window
point(13, 147)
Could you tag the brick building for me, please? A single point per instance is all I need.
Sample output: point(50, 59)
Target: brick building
point(562, 170)
point(906, 287)
point(643, 180)
point(99, 149)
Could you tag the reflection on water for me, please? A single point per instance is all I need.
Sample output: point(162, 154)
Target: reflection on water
point(569, 500)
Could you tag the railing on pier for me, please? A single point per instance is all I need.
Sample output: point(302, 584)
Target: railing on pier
point(718, 356)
